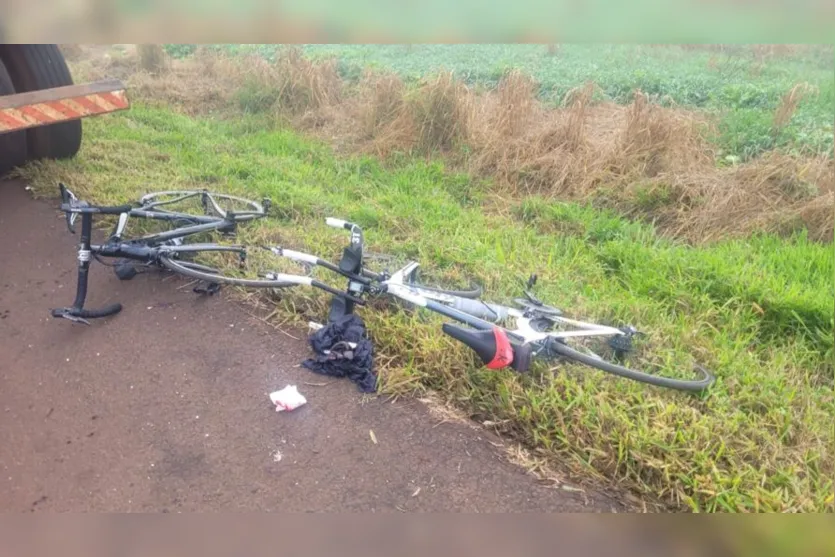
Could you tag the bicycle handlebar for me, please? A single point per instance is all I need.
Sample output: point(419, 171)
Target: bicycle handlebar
point(338, 223)
point(114, 210)
point(72, 206)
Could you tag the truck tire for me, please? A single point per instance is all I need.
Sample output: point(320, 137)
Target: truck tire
point(13, 150)
point(33, 67)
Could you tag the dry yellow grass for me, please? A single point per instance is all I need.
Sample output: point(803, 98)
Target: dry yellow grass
point(646, 160)
point(441, 110)
point(818, 215)
point(655, 139)
point(530, 149)
point(152, 58)
point(304, 85)
point(385, 123)
point(515, 106)
point(434, 118)
point(385, 94)
point(788, 104)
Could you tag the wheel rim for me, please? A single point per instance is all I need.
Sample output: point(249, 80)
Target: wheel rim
point(158, 201)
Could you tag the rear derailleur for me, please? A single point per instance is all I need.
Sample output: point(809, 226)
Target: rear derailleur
point(622, 344)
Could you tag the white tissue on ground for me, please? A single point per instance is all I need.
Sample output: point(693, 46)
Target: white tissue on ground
point(288, 398)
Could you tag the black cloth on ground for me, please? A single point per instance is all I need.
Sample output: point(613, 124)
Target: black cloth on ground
point(335, 357)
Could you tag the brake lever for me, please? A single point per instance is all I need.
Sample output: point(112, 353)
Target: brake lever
point(71, 221)
point(69, 199)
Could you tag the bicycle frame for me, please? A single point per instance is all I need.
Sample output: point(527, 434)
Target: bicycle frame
point(362, 281)
point(524, 331)
point(225, 221)
point(495, 344)
point(206, 224)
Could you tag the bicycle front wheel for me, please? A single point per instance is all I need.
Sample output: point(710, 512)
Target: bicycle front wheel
point(187, 261)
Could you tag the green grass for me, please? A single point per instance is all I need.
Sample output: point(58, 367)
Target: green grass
point(740, 92)
point(759, 312)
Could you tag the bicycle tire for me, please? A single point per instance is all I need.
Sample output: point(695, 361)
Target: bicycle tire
point(152, 204)
point(640, 376)
point(475, 292)
point(209, 274)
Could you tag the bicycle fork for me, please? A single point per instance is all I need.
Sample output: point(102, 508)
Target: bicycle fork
point(77, 313)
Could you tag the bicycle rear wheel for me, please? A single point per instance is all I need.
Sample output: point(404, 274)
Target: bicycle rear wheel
point(474, 292)
point(181, 260)
point(692, 385)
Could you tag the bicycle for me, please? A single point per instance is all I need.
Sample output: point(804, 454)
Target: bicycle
point(533, 328)
point(152, 250)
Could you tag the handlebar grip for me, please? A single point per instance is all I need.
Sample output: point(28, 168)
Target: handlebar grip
point(77, 314)
point(103, 312)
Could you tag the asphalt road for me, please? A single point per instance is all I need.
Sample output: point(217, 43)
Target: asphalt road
point(164, 407)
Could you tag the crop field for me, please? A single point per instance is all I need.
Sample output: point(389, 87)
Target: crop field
point(742, 87)
point(620, 202)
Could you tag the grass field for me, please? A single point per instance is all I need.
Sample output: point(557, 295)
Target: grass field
point(594, 198)
point(742, 87)
point(758, 311)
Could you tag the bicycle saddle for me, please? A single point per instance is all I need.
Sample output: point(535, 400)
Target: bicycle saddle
point(492, 346)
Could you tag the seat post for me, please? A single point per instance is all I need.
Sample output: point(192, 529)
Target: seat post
point(351, 262)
